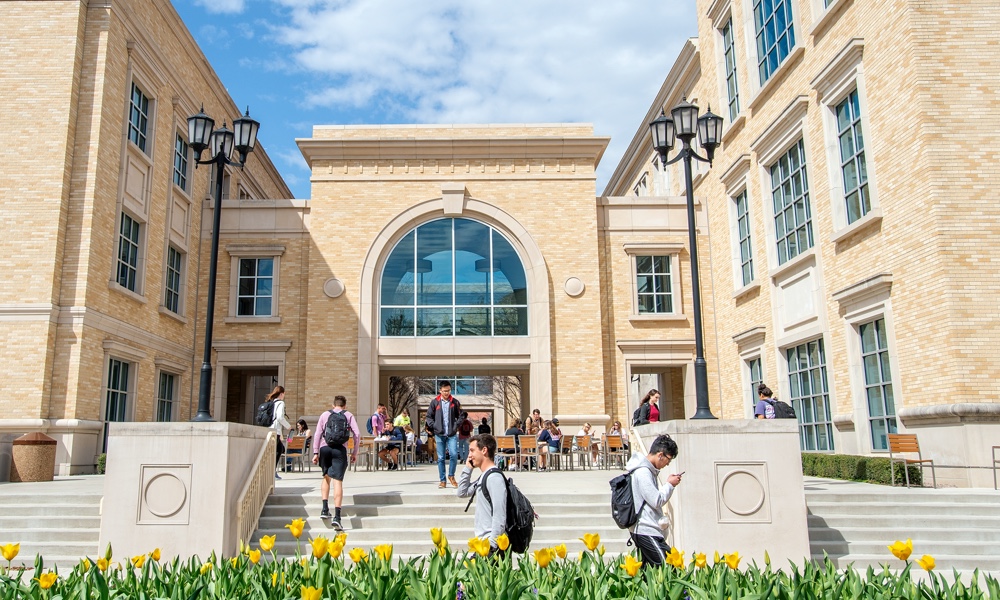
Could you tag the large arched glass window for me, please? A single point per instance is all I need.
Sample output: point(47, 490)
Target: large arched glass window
point(453, 277)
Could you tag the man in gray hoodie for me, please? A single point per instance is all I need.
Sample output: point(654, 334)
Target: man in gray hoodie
point(649, 498)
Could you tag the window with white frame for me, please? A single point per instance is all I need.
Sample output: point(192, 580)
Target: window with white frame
point(878, 382)
point(138, 118)
point(642, 186)
point(227, 181)
point(255, 287)
point(243, 194)
point(116, 402)
point(654, 284)
point(853, 168)
point(129, 237)
point(755, 377)
point(166, 397)
point(729, 54)
point(172, 292)
point(810, 395)
point(792, 211)
point(775, 33)
point(744, 242)
point(181, 153)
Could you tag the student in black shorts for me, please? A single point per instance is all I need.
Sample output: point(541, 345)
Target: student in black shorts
point(332, 460)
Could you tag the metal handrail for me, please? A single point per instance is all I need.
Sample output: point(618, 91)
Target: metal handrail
point(258, 487)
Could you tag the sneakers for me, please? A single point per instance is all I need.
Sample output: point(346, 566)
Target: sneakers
point(325, 514)
point(443, 484)
point(452, 481)
point(276, 476)
point(335, 523)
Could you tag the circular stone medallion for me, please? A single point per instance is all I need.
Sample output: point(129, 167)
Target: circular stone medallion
point(574, 286)
point(165, 495)
point(333, 287)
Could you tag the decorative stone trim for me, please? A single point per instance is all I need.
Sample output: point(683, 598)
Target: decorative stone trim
point(122, 350)
point(333, 287)
point(842, 69)
point(734, 178)
point(782, 131)
point(877, 284)
point(966, 412)
point(574, 287)
point(751, 338)
point(255, 250)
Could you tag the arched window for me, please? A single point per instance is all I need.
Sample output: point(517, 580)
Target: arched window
point(453, 277)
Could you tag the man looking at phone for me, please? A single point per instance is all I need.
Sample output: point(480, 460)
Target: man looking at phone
point(649, 498)
point(491, 515)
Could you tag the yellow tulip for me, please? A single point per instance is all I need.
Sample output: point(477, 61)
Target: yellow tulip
point(437, 535)
point(926, 562)
point(715, 561)
point(503, 542)
point(700, 560)
point(319, 545)
point(234, 561)
point(205, 568)
point(10, 551)
point(341, 538)
point(85, 565)
point(591, 540)
point(358, 555)
point(138, 561)
point(274, 579)
point(733, 560)
point(267, 543)
point(296, 527)
point(384, 551)
point(46, 580)
point(335, 548)
point(311, 593)
point(155, 555)
point(601, 550)
point(631, 565)
point(480, 546)
point(544, 556)
point(254, 556)
point(560, 550)
point(675, 558)
point(901, 550)
point(442, 550)
point(304, 563)
point(102, 564)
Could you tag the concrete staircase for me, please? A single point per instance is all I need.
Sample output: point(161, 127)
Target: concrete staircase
point(63, 528)
point(853, 523)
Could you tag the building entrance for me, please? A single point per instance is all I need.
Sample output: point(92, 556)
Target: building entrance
point(498, 397)
point(246, 389)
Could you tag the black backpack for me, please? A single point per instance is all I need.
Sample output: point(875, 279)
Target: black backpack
point(520, 522)
point(635, 416)
point(265, 414)
point(338, 429)
point(623, 502)
point(782, 410)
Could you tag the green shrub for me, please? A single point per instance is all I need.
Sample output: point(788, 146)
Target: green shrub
point(102, 463)
point(871, 469)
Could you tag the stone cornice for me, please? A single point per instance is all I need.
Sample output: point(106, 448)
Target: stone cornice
point(752, 337)
point(965, 412)
point(865, 288)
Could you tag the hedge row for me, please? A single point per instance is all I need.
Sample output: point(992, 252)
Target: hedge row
point(871, 469)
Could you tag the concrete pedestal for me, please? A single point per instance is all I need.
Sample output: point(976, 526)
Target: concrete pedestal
point(175, 486)
point(742, 489)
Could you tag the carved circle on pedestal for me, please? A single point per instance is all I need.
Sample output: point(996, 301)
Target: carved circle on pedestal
point(333, 287)
point(165, 495)
point(742, 492)
point(574, 286)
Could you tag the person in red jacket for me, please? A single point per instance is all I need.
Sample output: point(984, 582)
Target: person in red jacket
point(443, 417)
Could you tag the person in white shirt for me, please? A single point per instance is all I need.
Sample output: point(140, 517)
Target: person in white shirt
point(586, 431)
point(279, 424)
point(648, 534)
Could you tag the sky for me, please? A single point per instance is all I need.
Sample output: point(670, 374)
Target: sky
point(299, 63)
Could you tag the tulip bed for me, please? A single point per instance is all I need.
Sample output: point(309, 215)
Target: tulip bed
point(326, 571)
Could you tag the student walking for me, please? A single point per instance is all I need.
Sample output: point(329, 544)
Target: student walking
point(279, 423)
point(332, 457)
point(464, 435)
point(648, 498)
point(442, 419)
point(491, 517)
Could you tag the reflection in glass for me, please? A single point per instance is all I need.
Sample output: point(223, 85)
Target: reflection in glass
point(396, 322)
point(434, 321)
point(434, 243)
point(472, 321)
point(398, 274)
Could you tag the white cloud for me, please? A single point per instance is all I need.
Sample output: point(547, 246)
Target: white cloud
point(450, 61)
point(222, 6)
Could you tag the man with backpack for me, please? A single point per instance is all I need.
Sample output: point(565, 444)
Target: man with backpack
point(442, 419)
point(465, 427)
point(645, 521)
point(334, 429)
point(771, 408)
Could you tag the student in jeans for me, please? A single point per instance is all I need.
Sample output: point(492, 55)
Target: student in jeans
point(548, 443)
point(648, 532)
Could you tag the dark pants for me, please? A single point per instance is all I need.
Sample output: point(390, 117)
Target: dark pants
point(652, 549)
point(281, 450)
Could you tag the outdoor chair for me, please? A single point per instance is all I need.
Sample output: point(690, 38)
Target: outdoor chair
point(527, 452)
point(614, 451)
point(506, 451)
point(295, 451)
point(906, 443)
point(581, 449)
point(565, 454)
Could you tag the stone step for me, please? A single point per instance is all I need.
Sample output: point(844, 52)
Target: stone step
point(23, 499)
point(49, 534)
point(57, 549)
point(920, 547)
point(922, 509)
point(311, 509)
point(47, 510)
point(899, 525)
point(944, 562)
point(925, 535)
point(432, 499)
point(67, 522)
point(902, 497)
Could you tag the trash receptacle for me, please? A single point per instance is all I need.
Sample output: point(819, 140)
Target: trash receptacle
point(33, 458)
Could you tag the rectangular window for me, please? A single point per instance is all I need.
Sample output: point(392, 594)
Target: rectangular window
point(653, 284)
point(731, 86)
point(755, 370)
point(878, 383)
point(810, 395)
point(128, 253)
point(138, 117)
point(792, 213)
point(775, 35)
point(746, 248)
point(181, 163)
point(852, 157)
point(642, 187)
point(254, 297)
point(116, 403)
point(165, 399)
point(172, 297)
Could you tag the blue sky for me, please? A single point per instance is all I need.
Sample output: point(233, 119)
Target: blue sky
point(299, 63)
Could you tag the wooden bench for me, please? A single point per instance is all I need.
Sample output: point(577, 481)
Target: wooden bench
point(906, 443)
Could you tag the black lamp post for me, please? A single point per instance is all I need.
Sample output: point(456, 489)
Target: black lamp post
point(202, 136)
point(685, 124)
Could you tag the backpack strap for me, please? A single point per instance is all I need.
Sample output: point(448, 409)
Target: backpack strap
point(481, 483)
point(643, 505)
